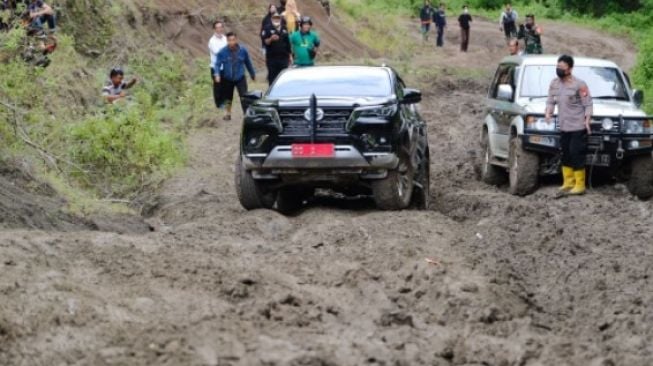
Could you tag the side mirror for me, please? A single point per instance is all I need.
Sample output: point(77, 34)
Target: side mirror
point(411, 96)
point(638, 97)
point(505, 92)
point(251, 97)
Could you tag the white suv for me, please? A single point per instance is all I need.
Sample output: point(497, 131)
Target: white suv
point(516, 138)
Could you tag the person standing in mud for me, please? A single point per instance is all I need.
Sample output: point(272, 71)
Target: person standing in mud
point(440, 20)
point(572, 96)
point(465, 21)
point(531, 33)
point(217, 42)
point(508, 22)
point(278, 55)
point(425, 17)
point(305, 44)
point(230, 66)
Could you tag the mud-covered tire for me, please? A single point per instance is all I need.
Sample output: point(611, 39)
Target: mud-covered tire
point(490, 174)
point(396, 190)
point(524, 168)
point(422, 196)
point(251, 193)
point(641, 177)
point(291, 199)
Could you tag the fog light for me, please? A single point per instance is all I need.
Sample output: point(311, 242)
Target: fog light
point(383, 140)
point(634, 144)
point(253, 141)
point(607, 124)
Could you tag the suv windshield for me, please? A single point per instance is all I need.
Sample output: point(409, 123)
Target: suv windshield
point(604, 82)
point(332, 82)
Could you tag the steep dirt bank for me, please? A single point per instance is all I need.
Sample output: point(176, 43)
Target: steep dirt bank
point(519, 281)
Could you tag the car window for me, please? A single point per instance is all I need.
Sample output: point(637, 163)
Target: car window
point(603, 82)
point(506, 74)
point(332, 82)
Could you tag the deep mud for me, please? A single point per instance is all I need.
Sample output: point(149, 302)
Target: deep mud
point(517, 281)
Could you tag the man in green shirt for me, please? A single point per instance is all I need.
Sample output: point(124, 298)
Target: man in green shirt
point(305, 43)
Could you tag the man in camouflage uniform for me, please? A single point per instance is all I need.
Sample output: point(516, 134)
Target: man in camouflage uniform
point(531, 33)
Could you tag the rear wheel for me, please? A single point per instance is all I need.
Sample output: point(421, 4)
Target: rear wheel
point(490, 174)
point(422, 195)
point(251, 193)
point(524, 168)
point(395, 191)
point(641, 177)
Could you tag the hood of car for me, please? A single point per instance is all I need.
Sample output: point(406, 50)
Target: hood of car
point(344, 102)
point(602, 108)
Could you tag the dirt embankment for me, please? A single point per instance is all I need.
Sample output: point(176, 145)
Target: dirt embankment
point(519, 281)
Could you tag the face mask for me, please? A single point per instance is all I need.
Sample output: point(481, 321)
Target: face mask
point(276, 24)
point(561, 73)
point(465, 11)
point(529, 26)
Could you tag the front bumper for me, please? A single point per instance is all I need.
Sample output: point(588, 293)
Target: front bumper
point(347, 157)
point(602, 149)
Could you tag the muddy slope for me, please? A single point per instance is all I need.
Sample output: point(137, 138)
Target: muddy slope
point(516, 281)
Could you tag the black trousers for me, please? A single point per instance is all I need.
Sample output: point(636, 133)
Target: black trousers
point(276, 66)
point(574, 148)
point(440, 40)
point(227, 88)
point(216, 90)
point(510, 30)
point(464, 39)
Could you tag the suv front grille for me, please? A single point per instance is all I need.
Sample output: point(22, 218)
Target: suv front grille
point(294, 123)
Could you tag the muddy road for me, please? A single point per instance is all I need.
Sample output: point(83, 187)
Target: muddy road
point(517, 281)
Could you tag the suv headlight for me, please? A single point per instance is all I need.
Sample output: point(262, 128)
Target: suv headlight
point(539, 124)
point(607, 124)
point(637, 127)
point(377, 111)
point(264, 114)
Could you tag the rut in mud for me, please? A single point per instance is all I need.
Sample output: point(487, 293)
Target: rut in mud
point(518, 281)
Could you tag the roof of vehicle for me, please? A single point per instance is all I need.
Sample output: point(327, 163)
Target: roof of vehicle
point(352, 69)
point(539, 60)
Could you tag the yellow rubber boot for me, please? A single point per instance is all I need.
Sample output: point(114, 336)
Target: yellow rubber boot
point(579, 187)
point(568, 180)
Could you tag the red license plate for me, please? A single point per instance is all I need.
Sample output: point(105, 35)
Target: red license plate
point(313, 151)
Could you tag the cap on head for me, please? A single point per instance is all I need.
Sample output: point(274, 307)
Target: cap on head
point(306, 20)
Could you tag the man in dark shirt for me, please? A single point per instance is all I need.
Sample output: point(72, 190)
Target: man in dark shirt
point(277, 47)
point(425, 16)
point(464, 20)
point(440, 19)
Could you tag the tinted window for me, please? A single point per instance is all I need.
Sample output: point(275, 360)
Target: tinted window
point(604, 82)
point(332, 82)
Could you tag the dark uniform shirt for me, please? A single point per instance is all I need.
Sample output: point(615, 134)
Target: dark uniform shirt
point(464, 20)
point(279, 49)
point(532, 39)
point(574, 103)
point(425, 14)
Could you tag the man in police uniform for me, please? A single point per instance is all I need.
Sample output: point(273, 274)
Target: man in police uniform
point(531, 33)
point(574, 102)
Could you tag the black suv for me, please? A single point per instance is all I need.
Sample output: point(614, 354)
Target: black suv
point(351, 129)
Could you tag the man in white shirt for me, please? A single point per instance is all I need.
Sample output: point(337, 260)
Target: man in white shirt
point(217, 42)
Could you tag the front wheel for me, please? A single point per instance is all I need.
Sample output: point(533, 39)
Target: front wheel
point(395, 191)
point(490, 174)
point(641, 177)
point(524, 168)
point(251, 193)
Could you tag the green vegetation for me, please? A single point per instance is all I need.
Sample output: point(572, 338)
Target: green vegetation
point(56, 120)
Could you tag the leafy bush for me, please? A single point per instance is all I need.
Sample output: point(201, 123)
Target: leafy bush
point(123, 150)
